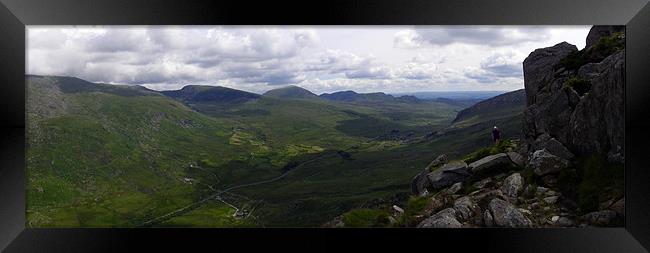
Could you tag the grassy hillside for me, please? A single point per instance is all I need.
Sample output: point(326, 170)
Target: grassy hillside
point(122, 156)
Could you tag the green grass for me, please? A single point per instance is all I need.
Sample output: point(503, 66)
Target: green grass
point(504, 145)
point(366, 218)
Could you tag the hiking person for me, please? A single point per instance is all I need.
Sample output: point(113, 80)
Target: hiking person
point(496, 135)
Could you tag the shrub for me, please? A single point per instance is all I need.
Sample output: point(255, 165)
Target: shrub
point(366, 218)
point(599, 178)
point(605, 46)
point(414, 206)
point(591, 181)
point(581, 86)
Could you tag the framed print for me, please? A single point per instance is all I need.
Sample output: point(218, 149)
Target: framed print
point(516, 126)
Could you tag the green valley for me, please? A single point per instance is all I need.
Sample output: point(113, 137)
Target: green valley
point(104, 155)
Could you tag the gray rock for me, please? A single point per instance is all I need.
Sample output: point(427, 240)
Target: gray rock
point(448, 175)
point(420, 182)
point(619, 207)
point(512, 185)
point(538, 67)
point(541, 190)
point(550, 193)
point(517, 159)
point(455, 188)
point(553, 146)
point(443, 219)
point(598, 121)
point(465, 208)
point(544, 163)
point(600, 218)
point(483, 183)
point(598, 31)
point(491, 164)
point(488, 219)
point(505, 214)
point(565, 222)
point(440, 160)
point(551, 200)
point(555, 218)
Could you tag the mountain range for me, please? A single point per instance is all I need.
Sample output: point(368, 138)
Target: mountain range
point(102, 155)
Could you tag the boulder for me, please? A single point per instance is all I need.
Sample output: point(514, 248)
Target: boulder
point(491, 164)
point(538, 68)
point(551, 200)
point(483, 183)
point(465, 208)
point(440, 160)
point(601, 218)
point(504, 214)
point(443, 219)
point(455, 188)
point(420, 182)
point(553, 146)
point(512, 185)
point(619, 207)
point(517, 159)
point(565, 222)
point(544, 163)
point(448, 175)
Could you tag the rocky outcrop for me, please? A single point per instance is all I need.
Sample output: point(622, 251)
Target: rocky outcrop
point(491, 164)
point(575, 98)
point(538, 69)
point(600, 31)
point(598, 123)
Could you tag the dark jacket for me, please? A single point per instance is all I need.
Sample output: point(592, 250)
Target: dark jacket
point(496, 134)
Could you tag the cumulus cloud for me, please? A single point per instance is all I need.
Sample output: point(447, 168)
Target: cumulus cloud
point(261, 58)
point(473, 35)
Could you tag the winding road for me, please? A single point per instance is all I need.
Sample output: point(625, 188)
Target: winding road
point(217, 194)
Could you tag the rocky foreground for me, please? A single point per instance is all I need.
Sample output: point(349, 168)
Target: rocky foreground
point(566, 172)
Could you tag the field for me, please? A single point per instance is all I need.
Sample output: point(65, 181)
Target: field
point(122, 156)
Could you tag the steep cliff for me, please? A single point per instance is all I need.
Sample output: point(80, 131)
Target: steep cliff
point(576, 97)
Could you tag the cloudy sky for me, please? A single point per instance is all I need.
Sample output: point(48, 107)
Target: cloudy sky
point(319, 58)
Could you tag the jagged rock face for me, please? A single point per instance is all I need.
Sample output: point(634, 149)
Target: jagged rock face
point(598, 123)
point(538, 68)
point(598, 31)
point(588, 122)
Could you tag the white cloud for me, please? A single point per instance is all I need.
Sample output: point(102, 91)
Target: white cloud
point(389, 59)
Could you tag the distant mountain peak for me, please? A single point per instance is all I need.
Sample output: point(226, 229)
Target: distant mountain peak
point(498, 106)
point(290, 91)
point(205, 93)
point(351, 96)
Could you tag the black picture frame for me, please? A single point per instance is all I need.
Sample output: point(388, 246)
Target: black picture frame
point(16, 14)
